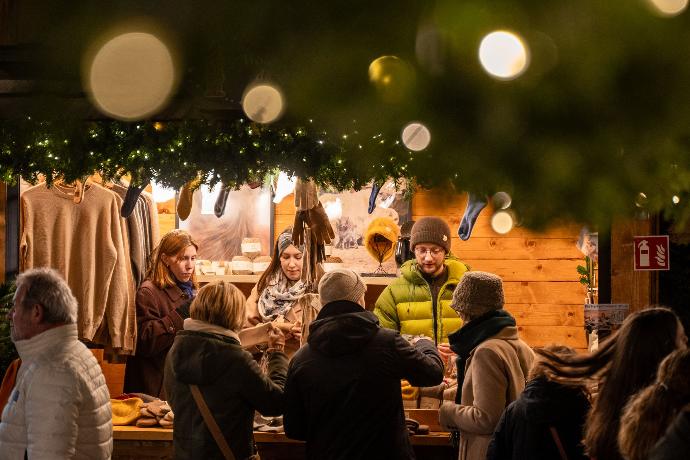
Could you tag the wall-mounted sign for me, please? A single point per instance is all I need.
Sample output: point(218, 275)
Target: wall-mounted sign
point(652, 252)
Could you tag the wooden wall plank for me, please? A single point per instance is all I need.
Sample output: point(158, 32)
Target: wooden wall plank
point(536, 292)
point(539, 336)
point(3, 242)
point(528, 270)
point(547, 314)
point(515, 248)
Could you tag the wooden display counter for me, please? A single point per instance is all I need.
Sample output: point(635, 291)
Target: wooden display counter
point(132, 443)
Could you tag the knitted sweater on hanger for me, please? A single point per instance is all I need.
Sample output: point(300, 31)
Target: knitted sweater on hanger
point(86, 243)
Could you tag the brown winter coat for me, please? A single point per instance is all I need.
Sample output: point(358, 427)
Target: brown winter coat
point(495, 375)
point(157, 324)
point(305, 310)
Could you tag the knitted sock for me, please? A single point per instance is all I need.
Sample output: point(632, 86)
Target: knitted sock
point(184, 204)
point(221, 201)
point(131, 198)
point(474, 207)
point(372, 198)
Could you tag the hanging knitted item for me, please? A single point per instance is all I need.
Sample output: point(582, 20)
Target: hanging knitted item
point(372, 198)
point(475, 204)
point(131, 197)
point(184, 203)
point(221, 201)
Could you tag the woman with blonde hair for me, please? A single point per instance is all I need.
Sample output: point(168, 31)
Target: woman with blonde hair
point(207, 357)
point(281, 296)
point(162, 303)
point(624, 364)
point(649, 413)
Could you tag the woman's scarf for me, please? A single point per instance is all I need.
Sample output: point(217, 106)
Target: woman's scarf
point(190, 324)
point(471, 335)
point(187, 287)
point(279, 296)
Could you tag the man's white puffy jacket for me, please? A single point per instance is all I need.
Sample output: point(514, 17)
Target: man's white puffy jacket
point(60, 405)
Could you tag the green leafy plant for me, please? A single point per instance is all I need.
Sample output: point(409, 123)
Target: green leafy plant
point(586, 273)
point(7, 350)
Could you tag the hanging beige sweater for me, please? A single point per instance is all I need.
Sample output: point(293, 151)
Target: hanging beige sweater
point(86, 243)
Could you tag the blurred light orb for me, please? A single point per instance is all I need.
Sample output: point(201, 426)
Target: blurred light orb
point(675, 199)
point(503, 55)
point(502, 222)
point(132, 76)
point(391, 76)
point(641, 200)
point(669, 8)
point(501, 200)
point(416, 136)
point(263, 103)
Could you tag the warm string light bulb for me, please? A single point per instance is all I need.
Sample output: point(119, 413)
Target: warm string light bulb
point(503, 55)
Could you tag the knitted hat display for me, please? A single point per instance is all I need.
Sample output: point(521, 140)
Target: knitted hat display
point(478, 293)
point(341, 284)
point(380, 238)
point(126, 411)
point(430, 230)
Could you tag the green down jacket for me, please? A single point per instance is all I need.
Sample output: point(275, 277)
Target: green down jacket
point(406, 304)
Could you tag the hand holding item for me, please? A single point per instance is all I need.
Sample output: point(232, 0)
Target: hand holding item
point(276, 339)
point(296, 330)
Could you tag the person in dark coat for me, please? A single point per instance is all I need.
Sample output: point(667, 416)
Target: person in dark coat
point(343, 387)
point(162, 301)
point(675, 444)
point(545, 414)
point(208, 353)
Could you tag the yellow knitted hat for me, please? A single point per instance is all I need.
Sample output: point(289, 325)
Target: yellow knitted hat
point(126, 411)
point(380, 238)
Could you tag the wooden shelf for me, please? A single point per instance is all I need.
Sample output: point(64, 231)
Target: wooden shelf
point(133, 433)
point(253, 279)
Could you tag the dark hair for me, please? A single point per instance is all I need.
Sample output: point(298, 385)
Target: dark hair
point(650, 412)
point(624, 363)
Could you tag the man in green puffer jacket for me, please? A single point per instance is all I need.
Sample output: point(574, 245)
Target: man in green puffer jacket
point(419, 301)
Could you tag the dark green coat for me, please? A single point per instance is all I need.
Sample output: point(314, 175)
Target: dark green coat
point(405, 305)
point(232, 385)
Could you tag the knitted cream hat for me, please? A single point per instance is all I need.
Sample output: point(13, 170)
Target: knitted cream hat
point(341, 284)
point(478, 293)
point(430, 230)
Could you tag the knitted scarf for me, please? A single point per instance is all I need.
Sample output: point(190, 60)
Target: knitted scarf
point(279, 296)
point(187, 287)
point(472, 334)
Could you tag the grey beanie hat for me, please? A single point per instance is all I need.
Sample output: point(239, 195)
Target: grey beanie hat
point(430, 230)
point(478, 293)
point(341, 284)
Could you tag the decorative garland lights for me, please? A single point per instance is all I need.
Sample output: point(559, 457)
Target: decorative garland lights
point(172, 153)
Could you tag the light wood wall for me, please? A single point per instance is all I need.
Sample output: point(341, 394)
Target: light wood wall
point(541, 283)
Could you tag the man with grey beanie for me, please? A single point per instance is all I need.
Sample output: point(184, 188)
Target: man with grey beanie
point(493, 363)
point(343, 387)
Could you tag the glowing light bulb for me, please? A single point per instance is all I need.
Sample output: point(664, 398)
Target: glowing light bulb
point(503, 55)
point(262, 103)
point(416, 136)
point(669, 8)
point(285, 186)
point(160, 193)
point(501, 200)
point(502, 222)
point(131, 77)
point(675, 199)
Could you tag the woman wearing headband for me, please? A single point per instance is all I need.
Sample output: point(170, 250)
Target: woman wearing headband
point(280, 295)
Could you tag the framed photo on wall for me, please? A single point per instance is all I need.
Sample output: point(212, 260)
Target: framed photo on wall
point(349, 216)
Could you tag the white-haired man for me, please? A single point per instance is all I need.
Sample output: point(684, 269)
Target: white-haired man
point(60, 405)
